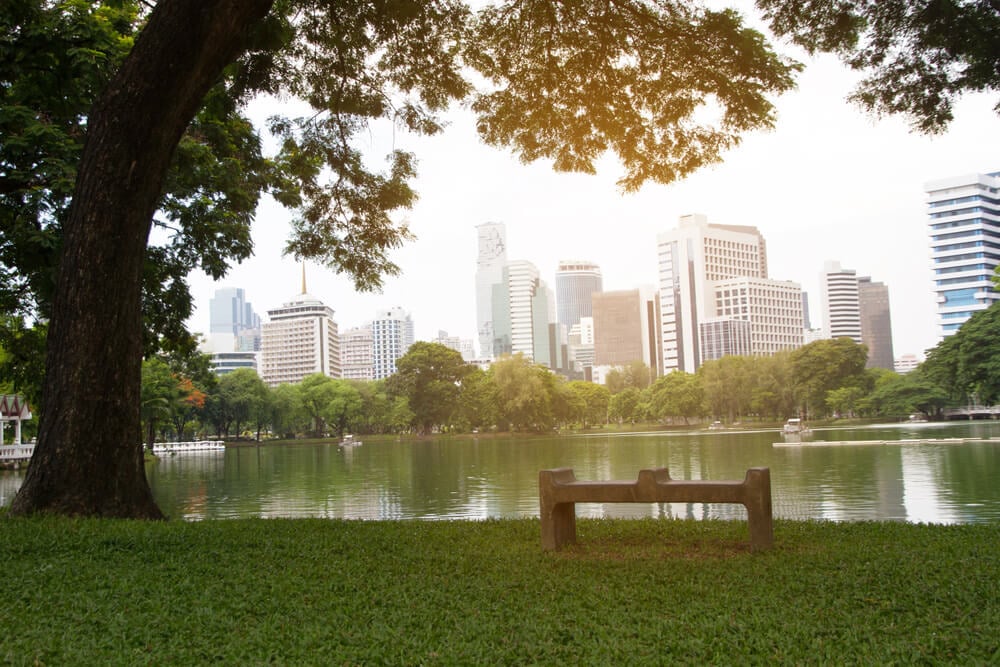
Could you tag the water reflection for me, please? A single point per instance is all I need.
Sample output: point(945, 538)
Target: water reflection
point(482, 478)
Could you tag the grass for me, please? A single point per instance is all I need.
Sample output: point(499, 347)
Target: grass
point(289, 592)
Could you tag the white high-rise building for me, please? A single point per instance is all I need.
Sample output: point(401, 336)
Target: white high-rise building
point(524, 315)
point(490, 264)
point(772, 307)
point(964, 227)
point(356, 353)
point(300, 339)
point(692, 258)
point(392, 336)
point(523, 288)
point(841, 302)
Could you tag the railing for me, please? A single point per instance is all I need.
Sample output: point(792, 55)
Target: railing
point(21, 452)
point(971, 411)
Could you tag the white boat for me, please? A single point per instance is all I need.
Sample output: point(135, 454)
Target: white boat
point(716, 426)
point(194, 446)
point(795, 426)
point(349, 441)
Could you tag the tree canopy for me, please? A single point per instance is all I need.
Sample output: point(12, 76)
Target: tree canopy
point(918, 57)
point(121, 115)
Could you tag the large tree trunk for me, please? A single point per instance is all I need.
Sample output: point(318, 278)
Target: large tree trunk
point(88, 460)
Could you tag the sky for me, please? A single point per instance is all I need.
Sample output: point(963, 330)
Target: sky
point(829, 182)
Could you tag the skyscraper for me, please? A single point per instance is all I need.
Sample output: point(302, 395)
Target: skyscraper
point(692, 258)
point(523, 309)
point(876, 323)
point(841, 302)
point(626, 328)
point(392, 336)
point(356, 353)
point(300, 339)
point(964, 227)
point(576, 281)
point(490, 263)
point(233, 324)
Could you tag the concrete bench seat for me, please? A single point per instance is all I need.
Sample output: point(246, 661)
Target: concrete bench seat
point(559, 490)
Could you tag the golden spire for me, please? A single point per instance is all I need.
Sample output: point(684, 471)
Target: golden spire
point(303, 277)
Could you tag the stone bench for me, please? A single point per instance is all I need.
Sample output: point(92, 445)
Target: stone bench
point(559, 491)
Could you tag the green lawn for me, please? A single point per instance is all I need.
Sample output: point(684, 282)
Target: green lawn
point(454, 592)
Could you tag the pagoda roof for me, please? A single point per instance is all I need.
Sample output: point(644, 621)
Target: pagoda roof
point(13, 406)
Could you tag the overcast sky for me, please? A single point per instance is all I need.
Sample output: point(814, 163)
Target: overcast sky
point(828, 183)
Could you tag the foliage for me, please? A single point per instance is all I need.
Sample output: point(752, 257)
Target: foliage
point(591, 404)
point(901, 395)
point(919, 57)
point(23, 360)
point(678, 394)
point(166, 395)
point(967, 363)
point(316, 392)
point(343, 408)
point(575, 80)
point(728, 384)
point(288, 415)
point(626, 406)
point(429, 376)
point(844, 401)
point(635, 375)
point(477, 404)
point(524, 393)
point(825, 365)
point(57, 57)
point(461, 592)
point(243, 397)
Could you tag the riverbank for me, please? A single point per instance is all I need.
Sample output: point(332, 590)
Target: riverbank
point(456, 592)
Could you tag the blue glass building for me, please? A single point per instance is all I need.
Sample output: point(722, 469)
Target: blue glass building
point(963, 218)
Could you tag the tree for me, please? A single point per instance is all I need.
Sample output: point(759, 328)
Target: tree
point(524, 393)
point(919, 56)
point(593, 402)
point(288, 415)
point(566, 81)
point(316, 392)
point(967, 363)
point(678, 394)
point(159, 392)
point(902, 395)
point(477, 402)
point(429, 376)
point(625, 406)
point(244, 397)
point(728, 384)
point(844, 401)
point(343, 407)
point(633, 374)
point(825, 365)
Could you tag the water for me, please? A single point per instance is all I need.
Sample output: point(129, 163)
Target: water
point(497, 477)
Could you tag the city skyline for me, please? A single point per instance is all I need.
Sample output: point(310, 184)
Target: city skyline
point(828, 183)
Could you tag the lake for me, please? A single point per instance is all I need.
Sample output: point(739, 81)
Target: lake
point(479, 478)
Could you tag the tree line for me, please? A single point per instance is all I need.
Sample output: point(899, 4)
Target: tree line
point(434, 390)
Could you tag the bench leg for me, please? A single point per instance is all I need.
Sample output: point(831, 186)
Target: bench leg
point(558, 525)
point(758, 505)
